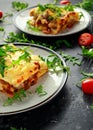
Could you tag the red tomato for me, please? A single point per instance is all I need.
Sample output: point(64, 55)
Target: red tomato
point(1, 14)
point(64, 2)
point(85, 39)
point(87, 86)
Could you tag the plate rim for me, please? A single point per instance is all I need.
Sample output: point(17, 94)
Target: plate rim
point(50, 35)
point(52, 96)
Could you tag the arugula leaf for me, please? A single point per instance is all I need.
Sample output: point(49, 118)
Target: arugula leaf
point(72, 59)
point(2, 66)
point(22, 38)
point(18, 96)
point(85, 74)
point(60, 42)
point(2, 61)
point(40, 91)
point(4, 52)
point(57, 9)
point(87, 52)
point(25, 56)
point(86, 4)
point(13, 128)
point(32, 27)
point(19, 5)
point(69, 7)
point(55, 64)
point(1, 29)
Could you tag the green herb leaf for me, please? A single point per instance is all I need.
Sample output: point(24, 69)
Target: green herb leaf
point(55, 64)
point(1, 29)
point(32, 27)
point(18, 96)
point(40, 91)
point(69, 7)
point(2, 66)
point(19, 5)
point(25, 56)
point(72, 59)
point(87, 52)
point(87, 75)
point(13, 128)
point(86, 4)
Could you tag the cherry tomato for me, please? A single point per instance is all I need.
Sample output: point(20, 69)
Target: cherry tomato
point(85, 39)
point(64, 2)
point(1, 14)
point(87, 86)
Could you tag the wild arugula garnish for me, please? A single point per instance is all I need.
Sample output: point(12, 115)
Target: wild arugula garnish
point(87, 75)
point(2, 66)
point(1, 29)
point(49, 6)
point(32, 27)
point(2, 61)
point(55, 64)
point(3, 54)
point(72, 59)
point(17, 5)
point(87, 52)
point(18, 96)
point(86, 4)
point(22, 38)
point(25, 56)
point(54, 8)
point(40, 91)
point(6, 50)
point(16, 37)
point(69, 7)
point(13, 128)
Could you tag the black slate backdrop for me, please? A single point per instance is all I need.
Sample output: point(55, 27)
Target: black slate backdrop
point(70, 109)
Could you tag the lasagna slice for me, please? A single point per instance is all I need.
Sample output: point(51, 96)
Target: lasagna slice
point(20, 69)
point(52, 19)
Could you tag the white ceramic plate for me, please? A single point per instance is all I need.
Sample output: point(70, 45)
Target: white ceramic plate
point(52, 84)
point(21, 18)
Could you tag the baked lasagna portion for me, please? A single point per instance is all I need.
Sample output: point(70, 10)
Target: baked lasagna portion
point(53, 19)
point(19, 69)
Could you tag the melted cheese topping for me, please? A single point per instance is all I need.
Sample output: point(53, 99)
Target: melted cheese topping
point(52, 19)
point(16, 74)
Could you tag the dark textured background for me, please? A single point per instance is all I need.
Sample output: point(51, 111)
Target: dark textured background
point(70, 109)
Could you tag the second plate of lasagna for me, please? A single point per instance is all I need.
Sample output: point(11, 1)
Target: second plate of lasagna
point(52, 20)
point(30, 76)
